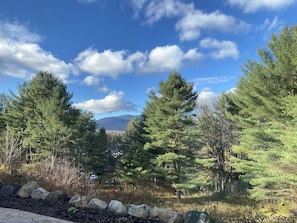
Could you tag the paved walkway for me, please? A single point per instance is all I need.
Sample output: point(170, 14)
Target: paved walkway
point(8, 215)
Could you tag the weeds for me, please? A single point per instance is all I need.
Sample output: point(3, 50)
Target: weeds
point(72, 210)
point(229, 208)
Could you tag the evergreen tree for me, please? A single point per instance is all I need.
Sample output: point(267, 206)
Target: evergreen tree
point(260, 97)
point(134, 165)
point(98, 153)
point(114, 152)
point(84, 127)
point(47, 132)
point(169, 122)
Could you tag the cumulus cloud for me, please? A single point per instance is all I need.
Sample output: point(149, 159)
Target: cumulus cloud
point(21, 56)
point(222, 49)
point(111, 103)
point(170, 57)
point(207, 97)
point(103, 89)
point(164, 58)
point(105, 63)
point(91, 80)
point(255, 5)
point(193, 23)
point(114, 63)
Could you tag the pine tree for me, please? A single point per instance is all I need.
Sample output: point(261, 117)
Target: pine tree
point(135, 163)
point(260, 96)
point(47, 112)
point(169, 121)
point(98, 153)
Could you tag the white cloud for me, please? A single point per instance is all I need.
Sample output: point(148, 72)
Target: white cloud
point(103, 89)
point(17, 32)
point(21, 56)
point(223, 48)
point(250, 6)
point(207, 97)
point(114, 63)
point(156, 10)
point(191, 25)
point(150, 89)
point(191, 22)
point(107, 62)
point(271, 26)
point(111, 103)
point(193, 55)
point(164, 58)
point(91, 80)
point(137, 6)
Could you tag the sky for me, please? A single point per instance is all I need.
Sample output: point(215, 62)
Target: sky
point(112, 53)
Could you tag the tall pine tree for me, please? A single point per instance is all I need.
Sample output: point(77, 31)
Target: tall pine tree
point(262, 112)
point(169, 122)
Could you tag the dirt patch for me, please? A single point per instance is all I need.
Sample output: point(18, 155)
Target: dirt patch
point(62, 211)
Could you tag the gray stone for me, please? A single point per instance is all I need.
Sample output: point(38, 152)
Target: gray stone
point(79, 201)
point(57, 196)
point(26, 190)
point(166, 216)
point(140, 211)
point(39, 194)
point(196, 217)
point(117, 207)
point(97, 204)
point(10, 189)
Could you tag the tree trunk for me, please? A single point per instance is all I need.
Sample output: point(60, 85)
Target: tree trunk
point(178, 196)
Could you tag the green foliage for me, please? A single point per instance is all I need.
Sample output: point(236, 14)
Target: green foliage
point(135, 163)
point(43, 120)
point(169, 122)
point(266, 117)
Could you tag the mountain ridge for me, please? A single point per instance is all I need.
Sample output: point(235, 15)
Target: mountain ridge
point(115, 123)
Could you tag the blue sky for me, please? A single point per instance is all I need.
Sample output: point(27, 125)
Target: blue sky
point(110, 53)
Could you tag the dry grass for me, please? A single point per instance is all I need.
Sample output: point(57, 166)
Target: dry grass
point(230, 208)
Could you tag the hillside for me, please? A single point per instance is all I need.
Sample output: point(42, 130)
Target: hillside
point(116, 123)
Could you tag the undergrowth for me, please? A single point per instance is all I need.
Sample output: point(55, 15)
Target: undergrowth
point(231, 208)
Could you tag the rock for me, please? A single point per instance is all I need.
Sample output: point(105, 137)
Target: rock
point(140, 211)
point(39, 194)
point(97, 204)
point(166, 216)
point(10, 189)
point(196, 217)
point(117, 207)
point(79, 201)
point(26, 190)
point(57, 196)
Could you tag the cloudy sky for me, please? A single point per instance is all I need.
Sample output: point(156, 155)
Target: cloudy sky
point(110, 53)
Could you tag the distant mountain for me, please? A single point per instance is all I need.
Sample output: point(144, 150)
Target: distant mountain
point(116, 123)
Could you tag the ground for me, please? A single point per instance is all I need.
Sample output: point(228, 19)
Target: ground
point(62, 211)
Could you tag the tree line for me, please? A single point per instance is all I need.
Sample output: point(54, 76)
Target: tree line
point(245, 142)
